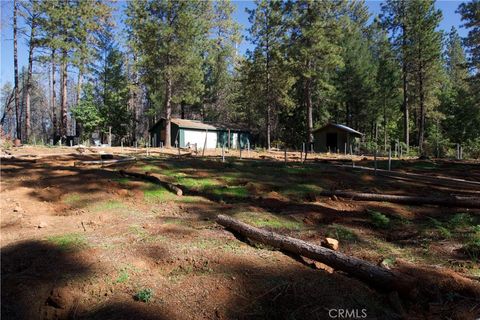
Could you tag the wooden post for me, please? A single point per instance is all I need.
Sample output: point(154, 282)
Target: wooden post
point(401, 151)
point(71, 143)
point(223, 152)
point(458, 152)
point(121, 143)
point(248, 148)
point(110, 136)
point(375, 160)
point(304, 151)
point(345, 149)
point(205, 143)
point(461, 153)
point(148, 143)
point(228, 139)
point(390, 159)
point(285, 154)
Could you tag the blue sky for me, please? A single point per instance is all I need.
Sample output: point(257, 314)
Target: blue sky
point(448, 8)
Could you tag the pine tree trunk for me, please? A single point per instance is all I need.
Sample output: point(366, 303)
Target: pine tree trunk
point(168, 111)
point(421, 128)
point(385, 123)
point(268, 124)
point(53, 96)
point(63, 129)
point(15, 66)
point(406, 131)
point(29, 82)
point(308, 96)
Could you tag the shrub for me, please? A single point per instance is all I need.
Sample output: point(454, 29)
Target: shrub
point(379, 220)
point(144, 295)
point(472, 148)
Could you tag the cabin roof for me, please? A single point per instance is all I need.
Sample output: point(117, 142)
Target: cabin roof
point(200, 125)
point(340, 127)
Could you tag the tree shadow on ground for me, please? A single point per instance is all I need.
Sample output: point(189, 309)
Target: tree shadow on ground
point(36, 284)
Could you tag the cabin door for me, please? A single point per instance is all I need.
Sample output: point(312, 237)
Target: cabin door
point(332, 141)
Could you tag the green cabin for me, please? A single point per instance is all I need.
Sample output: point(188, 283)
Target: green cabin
point(190, 133)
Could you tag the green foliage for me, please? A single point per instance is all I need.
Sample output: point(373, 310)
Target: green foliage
point(341, 233)
point(379, 220)
point(87, 113)
point(144, 295)
point(472, 148)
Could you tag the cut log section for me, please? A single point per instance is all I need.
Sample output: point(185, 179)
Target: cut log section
point(152, 178)
point(355, 267)
point(446, 201)
point(104, 162)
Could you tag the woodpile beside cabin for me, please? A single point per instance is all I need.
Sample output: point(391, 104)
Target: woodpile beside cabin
point(336, 138)
point(190, 133)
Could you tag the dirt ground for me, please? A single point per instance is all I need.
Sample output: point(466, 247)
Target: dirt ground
point(85, 242)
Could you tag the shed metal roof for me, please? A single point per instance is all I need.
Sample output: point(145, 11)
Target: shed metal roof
point(341, 127)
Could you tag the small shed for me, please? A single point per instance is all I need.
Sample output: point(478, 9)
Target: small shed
point(188, 133)
point(335, 138)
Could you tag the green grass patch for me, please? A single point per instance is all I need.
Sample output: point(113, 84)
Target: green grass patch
point(122, 180)
point(197, 183)
point(266, 220)
point(69, 241)
point(123, 276)
point(75, 200)
point(155, 193)
point(341, 233)
point(231, 191)
point(142, 235)
point(299, 191)
point(109, 205)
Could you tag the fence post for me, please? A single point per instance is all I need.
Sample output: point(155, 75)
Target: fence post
point(457, 156)
point(223, 152)
point(345, 150)
point(304, 151)
point(121, 143)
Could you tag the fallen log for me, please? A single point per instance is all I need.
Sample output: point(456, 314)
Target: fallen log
point(13, 159)
point(152, 178)
point(361, 269)
point(446, 201)
point(444, 181)
point(104, 162)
